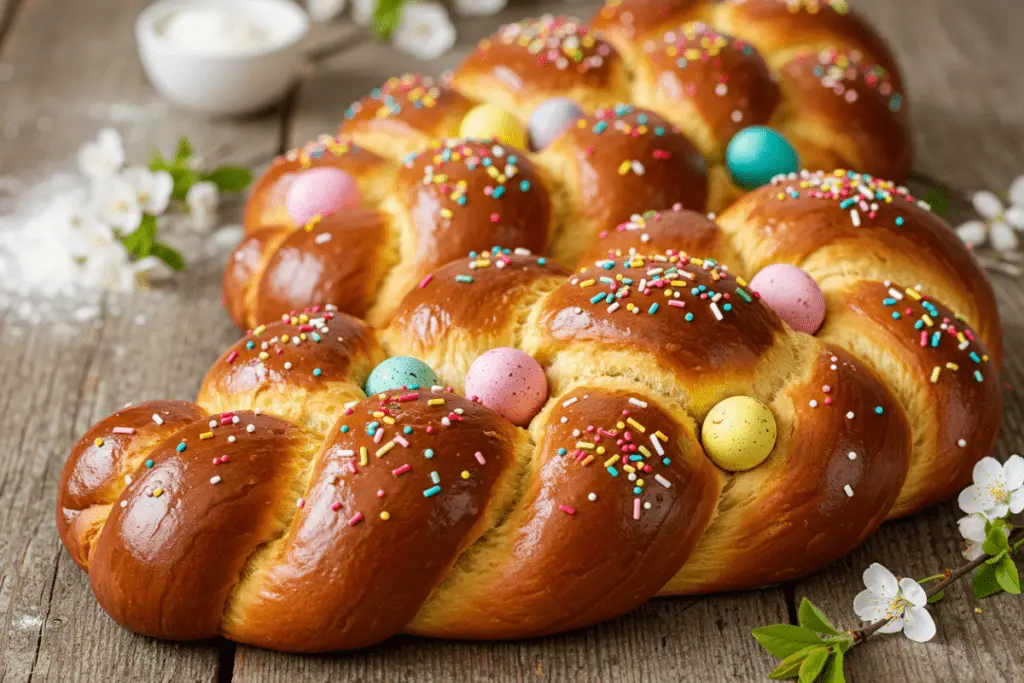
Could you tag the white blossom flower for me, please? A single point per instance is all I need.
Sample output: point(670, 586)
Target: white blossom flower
point(424, 30)
point(325, 10)
point(116, 203)
point(203, 199)
point(1000, 224)
point(103, 157)
point(153, 189)
point(479, 8)
point(972, 528)
point(997, 489)
point(362, 11)
point(900, 603)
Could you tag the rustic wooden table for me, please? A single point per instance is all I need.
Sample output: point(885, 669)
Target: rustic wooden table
point(69, 67)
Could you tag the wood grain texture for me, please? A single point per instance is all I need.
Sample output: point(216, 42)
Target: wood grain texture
point(670, 640)
point(73, 70)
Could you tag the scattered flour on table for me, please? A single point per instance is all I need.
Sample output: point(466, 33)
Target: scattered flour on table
point(53, 267)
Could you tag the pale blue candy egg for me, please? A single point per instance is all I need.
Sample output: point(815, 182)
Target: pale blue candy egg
point(550, 119)
point(757, 154)
point(398, 372)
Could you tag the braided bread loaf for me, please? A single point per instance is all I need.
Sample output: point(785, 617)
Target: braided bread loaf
point(812, 70)
point(286, 509)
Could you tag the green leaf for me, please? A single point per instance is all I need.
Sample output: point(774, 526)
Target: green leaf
point(813, 665)
point(996, 541)
point(385, 18)
point(157, 162)
point(937, 597)
point(790, 666)
point(984, 583)
point(139, 243)
point(782, 640)
point(230, 178)
point(169, 255)
point(184, 179)
point(1007, 576)
point(834, 671)
point(183, 152)
point(813, 618)
point(938, 198)
point(996, 559)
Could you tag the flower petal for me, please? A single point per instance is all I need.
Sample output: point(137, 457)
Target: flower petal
point(1017, 191)
point(987, 204)
point(1013, 470)
point(479, 8)
point(988, 472)
point(160, 190)
point(870, 606)
point(972, 528)
point(1017, 501)
point(880, 580)
point(1002, 237)
point(974, 499)
point(918, 624)
point(913, 592)
point(973, 233)
point(894, 626)
point(1015, 216)
point(324, 10)
point(997, 511)
point(972, 550)
point(424, 30)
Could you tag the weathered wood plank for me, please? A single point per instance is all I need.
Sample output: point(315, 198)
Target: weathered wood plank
point(664, 640)
point(962, 63)
point(73, 69)
point(70, 68)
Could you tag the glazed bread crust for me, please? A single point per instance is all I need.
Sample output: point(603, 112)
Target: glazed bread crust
point(288, 510)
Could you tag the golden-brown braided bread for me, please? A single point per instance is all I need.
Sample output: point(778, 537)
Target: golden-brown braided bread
point(533, 60)
point(300, 500)
point(265, 207)
point(615, 163)
point(405, 115)
point(441, 203)
point(814, 71)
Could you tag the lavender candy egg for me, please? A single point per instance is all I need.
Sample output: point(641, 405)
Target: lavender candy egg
point(320, 192)
point(792, 294)
point(550, 119)
point(509, 382)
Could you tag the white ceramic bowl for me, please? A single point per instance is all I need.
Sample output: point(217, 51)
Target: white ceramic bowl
point(215, 80)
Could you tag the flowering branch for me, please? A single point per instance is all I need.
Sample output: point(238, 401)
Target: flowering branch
point(127, 201)
point(814, 650)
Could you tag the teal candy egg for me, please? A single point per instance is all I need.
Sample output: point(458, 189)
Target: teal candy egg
point(757, 154)
point(398, 372)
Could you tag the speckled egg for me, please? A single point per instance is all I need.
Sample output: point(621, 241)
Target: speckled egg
point(757, 154)
point(739, 433)
point(488, 121)
point(792, 294)
point(320, 191)
point(400, 371)
point(509, 382)
point(550, 119)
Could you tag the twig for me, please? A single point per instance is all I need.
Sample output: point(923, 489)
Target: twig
point(860, 635)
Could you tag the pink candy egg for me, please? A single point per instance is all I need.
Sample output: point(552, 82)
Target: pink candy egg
point(320, 191)
point(509, 382)
point(793, 295)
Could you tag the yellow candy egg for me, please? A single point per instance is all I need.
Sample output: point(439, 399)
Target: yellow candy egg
point(739, 433)
point(488, 121)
